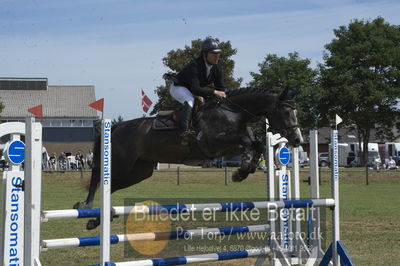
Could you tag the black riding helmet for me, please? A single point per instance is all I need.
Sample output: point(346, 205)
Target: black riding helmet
point(210, 45)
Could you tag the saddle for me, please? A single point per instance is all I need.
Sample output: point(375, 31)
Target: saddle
point(169, 117)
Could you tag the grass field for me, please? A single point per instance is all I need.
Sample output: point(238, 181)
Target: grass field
point(370, 224)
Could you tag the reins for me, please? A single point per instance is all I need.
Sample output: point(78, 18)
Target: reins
point(286, 103)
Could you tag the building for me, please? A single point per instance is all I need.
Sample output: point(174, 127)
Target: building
point(345, 135)
point(68, 121)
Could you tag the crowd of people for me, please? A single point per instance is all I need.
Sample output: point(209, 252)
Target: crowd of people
point(67, 161)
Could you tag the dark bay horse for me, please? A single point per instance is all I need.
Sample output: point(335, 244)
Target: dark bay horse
point(221, 130)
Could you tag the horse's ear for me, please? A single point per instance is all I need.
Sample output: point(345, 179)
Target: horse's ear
point(284, 95)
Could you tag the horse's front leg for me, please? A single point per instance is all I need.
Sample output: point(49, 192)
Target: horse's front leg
point(251, 156)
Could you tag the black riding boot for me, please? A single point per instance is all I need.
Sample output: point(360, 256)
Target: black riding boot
point(186, 115)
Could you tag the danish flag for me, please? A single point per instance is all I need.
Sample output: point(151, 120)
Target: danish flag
point(146, 102)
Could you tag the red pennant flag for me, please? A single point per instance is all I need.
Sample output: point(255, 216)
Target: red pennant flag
point(98, 105)
point(36, 110)
point(146, 102)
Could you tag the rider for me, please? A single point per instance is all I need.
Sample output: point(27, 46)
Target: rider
point(194, 78)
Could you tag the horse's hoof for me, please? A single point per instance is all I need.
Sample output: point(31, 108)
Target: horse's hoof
point(92, 224)
point(252, 169)
point(81, 205)
point(236, 177)
point(113, 215)
point(78, 205)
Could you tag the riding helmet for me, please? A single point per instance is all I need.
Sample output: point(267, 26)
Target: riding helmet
point(210, 45)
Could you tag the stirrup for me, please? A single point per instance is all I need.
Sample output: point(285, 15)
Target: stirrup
point(187, 136)
point(187, 133)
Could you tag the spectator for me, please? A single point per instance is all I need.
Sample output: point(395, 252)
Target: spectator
point(376, 163)
point(62, 161)
point(391, 164)
point(72, 165)
point(262, 164)
point(53, 162)
point(79, 160)
point(89, 159)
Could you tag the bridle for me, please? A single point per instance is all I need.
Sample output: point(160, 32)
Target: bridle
point(288, 103)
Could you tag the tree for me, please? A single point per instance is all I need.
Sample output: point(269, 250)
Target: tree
point(177, 59)
point(293, 73)
point(117, 121)
point(361, 77)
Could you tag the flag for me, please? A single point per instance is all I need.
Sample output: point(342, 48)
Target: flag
point(36, 110)
point(338, 120)
point(98, 105)
point(146, 102)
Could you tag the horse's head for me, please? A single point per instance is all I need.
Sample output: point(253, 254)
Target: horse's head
point(285, 121)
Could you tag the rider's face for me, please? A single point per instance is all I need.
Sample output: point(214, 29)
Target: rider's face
point(212, 58)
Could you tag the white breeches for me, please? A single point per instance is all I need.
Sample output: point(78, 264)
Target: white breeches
point(181, 94)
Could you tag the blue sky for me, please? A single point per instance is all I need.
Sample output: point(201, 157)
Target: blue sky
point(118, 45)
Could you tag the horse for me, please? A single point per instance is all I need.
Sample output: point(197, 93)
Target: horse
point(221, 127)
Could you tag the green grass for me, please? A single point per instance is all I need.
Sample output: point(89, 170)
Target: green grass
point(370, 220)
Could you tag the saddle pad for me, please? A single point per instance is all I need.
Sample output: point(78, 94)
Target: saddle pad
point(164, 123)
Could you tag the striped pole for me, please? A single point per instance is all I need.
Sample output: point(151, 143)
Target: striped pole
point(152, 236)
point(194, 259)
point(187, 208)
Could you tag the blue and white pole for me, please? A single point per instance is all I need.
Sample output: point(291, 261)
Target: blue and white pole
point(179, 233)
point(195, 258)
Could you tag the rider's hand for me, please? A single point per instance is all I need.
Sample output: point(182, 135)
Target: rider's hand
point(220, 94)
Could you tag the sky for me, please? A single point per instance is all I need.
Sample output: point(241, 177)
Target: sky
point(118, 45)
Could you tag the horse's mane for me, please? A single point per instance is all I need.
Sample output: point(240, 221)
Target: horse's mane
point(250, 90)
point(236, 94)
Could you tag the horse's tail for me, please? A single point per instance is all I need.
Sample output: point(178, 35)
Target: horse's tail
point(97, 148)
point(95, 177)
point(94, 182)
